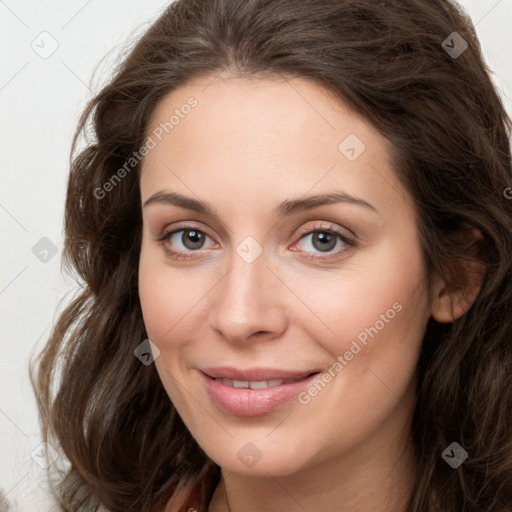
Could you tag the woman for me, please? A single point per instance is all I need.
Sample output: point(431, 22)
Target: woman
point(294, 244)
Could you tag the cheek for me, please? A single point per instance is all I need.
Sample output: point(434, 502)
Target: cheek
point(367, 309)
point(167, 301)
point(157, 294)
point(379, 319)
point(379, 296)
point(171, 299)
point(379, 326)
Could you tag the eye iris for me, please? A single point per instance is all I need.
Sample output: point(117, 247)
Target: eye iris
point(327, 241)
point(192, 239)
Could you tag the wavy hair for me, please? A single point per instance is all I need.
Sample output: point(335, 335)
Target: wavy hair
point(110, 416)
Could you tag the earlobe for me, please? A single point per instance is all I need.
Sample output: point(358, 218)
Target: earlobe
point(442, 307)
point(451, 301)
point(447, 307)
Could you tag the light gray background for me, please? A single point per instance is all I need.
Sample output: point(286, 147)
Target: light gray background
point(41, 98)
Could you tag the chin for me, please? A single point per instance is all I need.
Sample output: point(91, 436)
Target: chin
point(259, 457)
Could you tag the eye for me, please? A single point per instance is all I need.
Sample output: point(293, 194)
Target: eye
point(324, 240)
point(179, 242)
point(182, 242)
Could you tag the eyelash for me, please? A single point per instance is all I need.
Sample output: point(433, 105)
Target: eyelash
point(347, 240)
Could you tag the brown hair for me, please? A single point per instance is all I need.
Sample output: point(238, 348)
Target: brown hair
point(110, 415)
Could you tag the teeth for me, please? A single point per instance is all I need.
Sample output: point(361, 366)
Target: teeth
point(258, 384)
point(265, 384)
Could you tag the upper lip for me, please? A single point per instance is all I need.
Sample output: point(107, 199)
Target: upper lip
point(255, 374)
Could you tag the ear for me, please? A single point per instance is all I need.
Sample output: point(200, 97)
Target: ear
point(454, 293)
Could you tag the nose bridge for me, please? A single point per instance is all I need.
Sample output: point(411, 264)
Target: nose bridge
point(247, 300)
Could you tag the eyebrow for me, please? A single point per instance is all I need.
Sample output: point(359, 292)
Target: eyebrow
point(287, 207)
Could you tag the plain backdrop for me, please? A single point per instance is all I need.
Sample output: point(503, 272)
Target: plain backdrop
point(50, 50)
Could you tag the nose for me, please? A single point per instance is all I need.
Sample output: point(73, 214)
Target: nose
point(249, 302)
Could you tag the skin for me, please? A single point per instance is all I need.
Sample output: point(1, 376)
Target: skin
point(247, 146)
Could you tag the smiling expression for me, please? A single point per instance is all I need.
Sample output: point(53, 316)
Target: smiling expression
point(276, 233)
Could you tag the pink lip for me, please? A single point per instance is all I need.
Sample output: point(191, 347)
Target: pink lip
point(253, 402)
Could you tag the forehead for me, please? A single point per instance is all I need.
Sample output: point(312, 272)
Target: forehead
point(293, 108)
point(270, 136)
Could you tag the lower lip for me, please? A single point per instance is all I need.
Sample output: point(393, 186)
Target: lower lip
point(253, 402)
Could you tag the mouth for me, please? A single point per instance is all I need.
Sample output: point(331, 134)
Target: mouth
point(254, 391)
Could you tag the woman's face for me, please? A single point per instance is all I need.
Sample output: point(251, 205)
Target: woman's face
point(278, 243)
